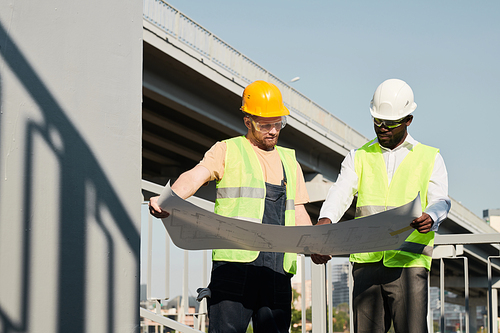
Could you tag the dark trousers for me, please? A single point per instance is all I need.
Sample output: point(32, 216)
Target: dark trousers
point(260, 290)
point(241, 292)
point(384, 294)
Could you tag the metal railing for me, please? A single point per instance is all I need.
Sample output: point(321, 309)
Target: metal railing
point(451, 247)
point(321, 285)
point(447, 247)
point(214, 52)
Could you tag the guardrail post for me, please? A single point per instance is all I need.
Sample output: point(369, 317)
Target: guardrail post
point(441, 295)
point(467, 304)
point(240, 66)
point(492, 300)
point(176, 24)
point(167, 266)
point(329, 295)
point(210, 46)
point(430, 319)
point(185, 283)
point(318, 295)
point(150, 256)
point(351, 289)
point(158, 311)
point(449, 252)
point(310, 106)
point(302, 265)
point(203, 304)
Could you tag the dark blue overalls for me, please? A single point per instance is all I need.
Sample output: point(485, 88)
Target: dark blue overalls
point(260, 290)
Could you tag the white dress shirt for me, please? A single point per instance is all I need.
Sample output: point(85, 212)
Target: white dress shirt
point(341, 193)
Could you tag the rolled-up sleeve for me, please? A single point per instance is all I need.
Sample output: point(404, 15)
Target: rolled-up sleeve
point(341, 194)
point(439, 203)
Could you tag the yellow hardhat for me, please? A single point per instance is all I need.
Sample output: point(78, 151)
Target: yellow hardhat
point(263, 99)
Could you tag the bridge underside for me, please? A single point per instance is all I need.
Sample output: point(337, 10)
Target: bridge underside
point(188, 106)
point(185, 113)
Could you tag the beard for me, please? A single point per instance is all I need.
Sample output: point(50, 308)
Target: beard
point(391, 141)
point(264, 141)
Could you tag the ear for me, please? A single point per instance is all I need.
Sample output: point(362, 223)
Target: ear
point(409, 120)
point(248, 122)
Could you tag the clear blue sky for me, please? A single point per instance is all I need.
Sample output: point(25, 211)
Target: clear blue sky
point(447, 51)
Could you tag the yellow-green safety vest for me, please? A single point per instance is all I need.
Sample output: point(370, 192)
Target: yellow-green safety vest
point(241, 194)
point(376, 195)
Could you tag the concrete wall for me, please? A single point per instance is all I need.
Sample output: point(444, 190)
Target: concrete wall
point(70, 165)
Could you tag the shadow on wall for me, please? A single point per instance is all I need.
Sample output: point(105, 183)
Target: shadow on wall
point(79, 170)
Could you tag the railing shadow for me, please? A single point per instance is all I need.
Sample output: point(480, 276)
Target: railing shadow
point(79, 171)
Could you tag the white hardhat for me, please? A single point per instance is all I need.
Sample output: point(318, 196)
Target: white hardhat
point(392, 100)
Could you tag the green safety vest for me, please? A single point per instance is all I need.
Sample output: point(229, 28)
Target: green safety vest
point(375, 195)
point(241, 194)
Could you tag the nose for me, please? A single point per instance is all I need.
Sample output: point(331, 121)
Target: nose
point(273, 130)
point(383, 128)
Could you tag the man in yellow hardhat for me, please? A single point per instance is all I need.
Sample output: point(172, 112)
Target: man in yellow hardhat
point(388, 172)
point(256, 181)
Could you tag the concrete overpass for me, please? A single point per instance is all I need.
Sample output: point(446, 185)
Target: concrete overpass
point(192, 83)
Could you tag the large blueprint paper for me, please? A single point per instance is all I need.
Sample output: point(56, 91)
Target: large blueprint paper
point(193, 228)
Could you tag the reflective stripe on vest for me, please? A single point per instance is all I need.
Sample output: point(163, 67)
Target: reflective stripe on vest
point(375, 195)
point(241, 194)
point(370, 210)
point(248, 192)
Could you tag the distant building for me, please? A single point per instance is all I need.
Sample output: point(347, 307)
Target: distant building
point(492, 217)
point(306, 294)
point(143, 293)
point(340, 281)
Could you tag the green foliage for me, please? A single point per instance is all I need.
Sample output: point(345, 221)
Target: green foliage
point(343, 307)
point(341, 318)
point(436, 326)
point(296, 321)
point(296, 314)
point(309, 315)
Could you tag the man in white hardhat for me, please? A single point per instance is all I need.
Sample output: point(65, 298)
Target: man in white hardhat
point(388, 172)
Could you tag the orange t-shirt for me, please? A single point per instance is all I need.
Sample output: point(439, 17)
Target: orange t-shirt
point(270, 162)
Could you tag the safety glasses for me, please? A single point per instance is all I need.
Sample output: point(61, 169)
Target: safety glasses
point(267, 127)
point(389, 123)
